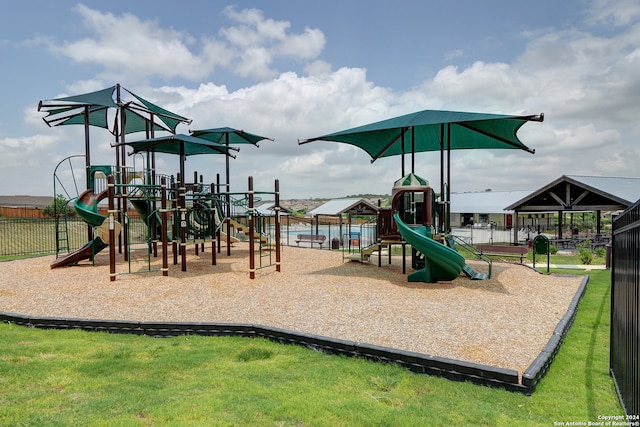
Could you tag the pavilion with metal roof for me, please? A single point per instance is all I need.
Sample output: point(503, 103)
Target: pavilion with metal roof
point(338, 208)
point(350, 206)
point(577, 193)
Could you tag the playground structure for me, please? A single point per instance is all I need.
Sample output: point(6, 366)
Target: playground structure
point(411, 219)
point(174, 214)
point(171, 209)
point(196, 213)
point(177, 215)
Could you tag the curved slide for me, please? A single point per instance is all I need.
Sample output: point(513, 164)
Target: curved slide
point(87, 207)
point(441, 262)
point(143, 207)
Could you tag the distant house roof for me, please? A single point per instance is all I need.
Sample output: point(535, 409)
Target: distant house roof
point(485, 202)
point(582, 193)
point(28, 201)
point(266, 208)
point(341, 206)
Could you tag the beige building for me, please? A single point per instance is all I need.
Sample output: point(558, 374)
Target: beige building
point(486, 208)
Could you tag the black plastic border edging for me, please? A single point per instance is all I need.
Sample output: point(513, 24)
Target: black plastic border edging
point(415, 362)
point(451, 369)
point(536, 371)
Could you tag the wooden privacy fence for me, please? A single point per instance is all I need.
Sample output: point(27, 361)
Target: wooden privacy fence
point(21, 212)
point(625, 304)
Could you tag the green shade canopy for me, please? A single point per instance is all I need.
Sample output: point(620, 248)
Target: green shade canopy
point(226, 135)
point(433, 130)
point(130, 115)
point(180, 144)
point(71, 110)
point(140, 115)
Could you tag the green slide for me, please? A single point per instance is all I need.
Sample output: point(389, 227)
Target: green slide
point(144, 209)
point(87, 207)
point(441, 262)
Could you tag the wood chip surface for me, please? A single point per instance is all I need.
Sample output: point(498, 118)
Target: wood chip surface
point(502, 322)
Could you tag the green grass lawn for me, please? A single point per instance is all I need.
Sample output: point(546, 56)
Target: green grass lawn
point(566, 258)
point(58, 377)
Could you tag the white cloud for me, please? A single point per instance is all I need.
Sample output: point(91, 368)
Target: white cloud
point(585, 82)
point(127, 46)
point(317, 68)
point(613, 12)
point(259, 41)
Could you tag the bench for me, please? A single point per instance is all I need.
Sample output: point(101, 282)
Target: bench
point(503, 251)
point(311, 238)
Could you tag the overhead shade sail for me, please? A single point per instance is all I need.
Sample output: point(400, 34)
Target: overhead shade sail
point(434, 130)
point(170, 119)
point(70, 110)
point(103, 98)
point(140, 115)
point(182, 145)
point(130, 114)
point(227, 135)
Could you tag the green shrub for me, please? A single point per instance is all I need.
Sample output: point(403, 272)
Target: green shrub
point(585, 253)
point(553, 249)
point(601, 252)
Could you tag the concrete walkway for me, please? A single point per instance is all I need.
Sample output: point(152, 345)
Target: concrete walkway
point(541, 265)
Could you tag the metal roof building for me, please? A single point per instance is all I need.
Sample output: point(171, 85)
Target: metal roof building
point(578, 193)
point(581, 193)
point(352, 206)
point(485, 201)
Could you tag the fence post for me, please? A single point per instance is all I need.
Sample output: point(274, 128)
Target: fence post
point(277, 221)
point(252, 261)
point(112, 233)
point(164, 228)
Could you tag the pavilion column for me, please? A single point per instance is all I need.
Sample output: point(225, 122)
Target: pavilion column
point(560, 218)
point(515, 227)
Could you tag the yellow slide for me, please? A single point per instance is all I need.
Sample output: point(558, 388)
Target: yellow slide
point(366, 253)
point(223, 237)
point(238, 227)
point(243, 227)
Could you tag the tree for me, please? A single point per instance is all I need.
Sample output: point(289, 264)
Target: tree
point(59, 206)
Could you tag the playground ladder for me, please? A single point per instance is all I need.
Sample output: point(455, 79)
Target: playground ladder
point(62, 230)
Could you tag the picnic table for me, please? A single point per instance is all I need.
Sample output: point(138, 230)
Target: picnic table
point(503, 251)
point(311, 239)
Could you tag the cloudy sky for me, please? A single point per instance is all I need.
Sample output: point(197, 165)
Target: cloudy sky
point(291, 70)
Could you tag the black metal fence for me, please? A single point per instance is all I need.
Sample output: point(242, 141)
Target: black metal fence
point(625, 304)
point(28, 236)
point(31, 236)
